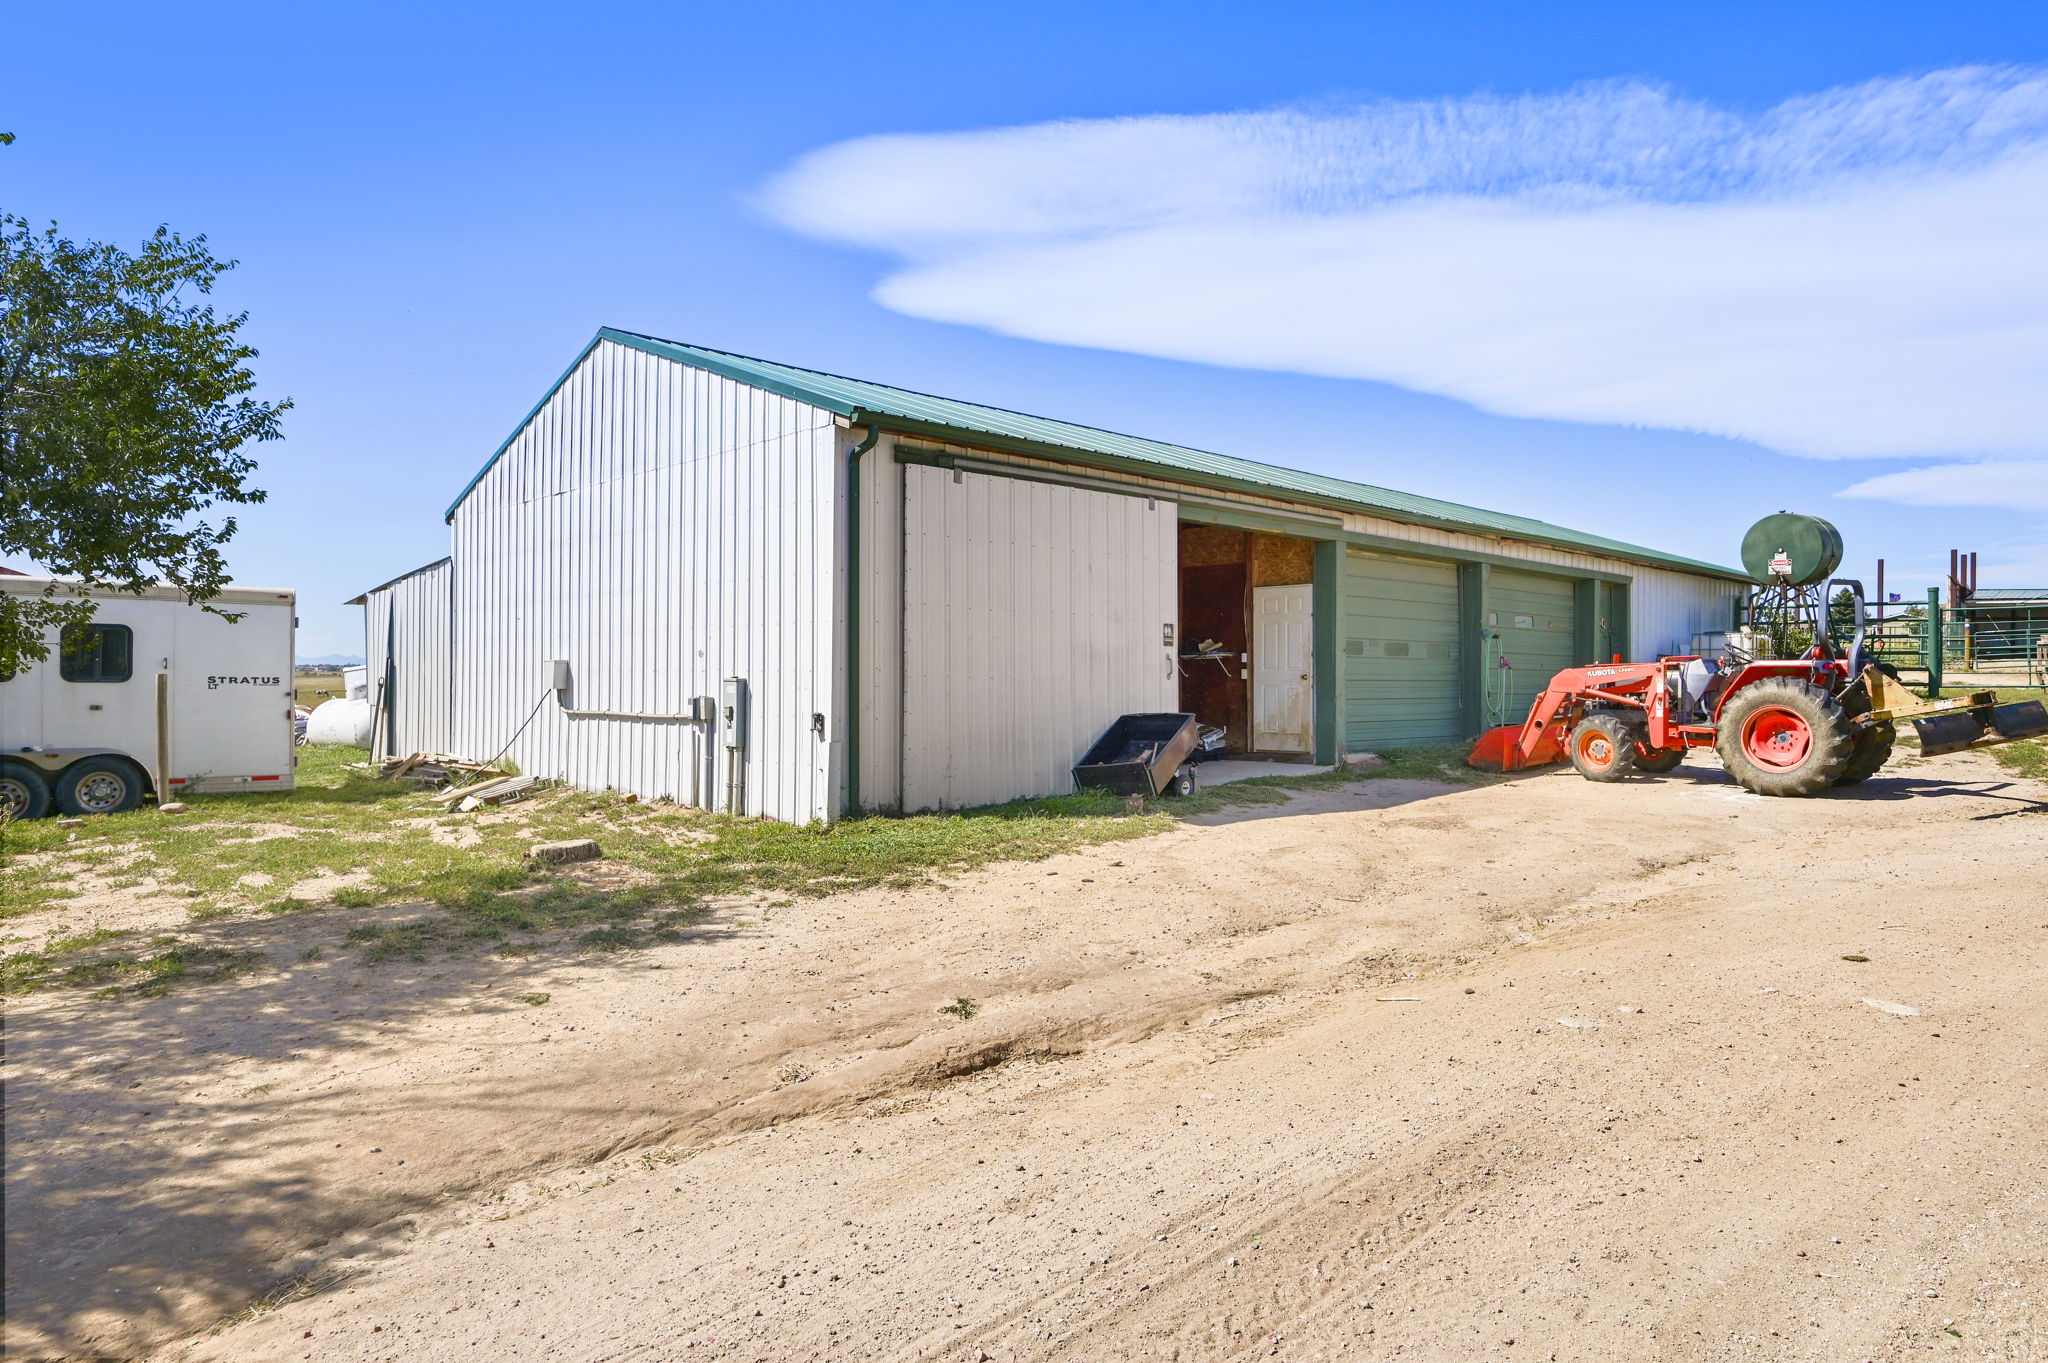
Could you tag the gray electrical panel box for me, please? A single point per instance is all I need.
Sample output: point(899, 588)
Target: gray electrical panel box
point(732, 711)
point(554, 674)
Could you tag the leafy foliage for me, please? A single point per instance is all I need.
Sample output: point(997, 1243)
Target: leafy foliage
point(124, 414)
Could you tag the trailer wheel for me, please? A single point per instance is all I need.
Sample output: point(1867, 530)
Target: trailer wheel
point(24, 794)
point(1182, 782)
point(1603, 747)
point(1659, 760)
point(99, 785)
point(1784, 737)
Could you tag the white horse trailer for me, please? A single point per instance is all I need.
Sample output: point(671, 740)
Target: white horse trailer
point(153, 696)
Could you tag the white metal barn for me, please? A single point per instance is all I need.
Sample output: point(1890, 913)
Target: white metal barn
point(742, 585)
point(408, 656)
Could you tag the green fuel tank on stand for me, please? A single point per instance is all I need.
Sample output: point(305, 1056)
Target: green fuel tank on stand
point(1812, 545)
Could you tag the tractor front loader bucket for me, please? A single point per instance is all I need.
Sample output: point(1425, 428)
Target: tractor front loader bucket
point(1501, 749)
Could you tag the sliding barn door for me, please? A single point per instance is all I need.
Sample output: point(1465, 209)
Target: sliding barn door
point(1033, 615)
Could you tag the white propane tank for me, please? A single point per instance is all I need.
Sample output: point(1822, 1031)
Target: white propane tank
point(341, 721)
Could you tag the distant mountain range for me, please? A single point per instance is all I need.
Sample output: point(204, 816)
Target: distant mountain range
point(333, 660)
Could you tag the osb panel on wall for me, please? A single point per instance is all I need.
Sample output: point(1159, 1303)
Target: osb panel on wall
point(1204, 546)
point(1282, 560)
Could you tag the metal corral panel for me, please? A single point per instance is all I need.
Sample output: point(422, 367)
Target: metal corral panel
point(1033, 616)
point(1399, 636)
point(1533, 615)
point(660, 528)
point(408, 649)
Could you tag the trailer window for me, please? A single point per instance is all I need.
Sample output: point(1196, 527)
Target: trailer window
point(96, 653)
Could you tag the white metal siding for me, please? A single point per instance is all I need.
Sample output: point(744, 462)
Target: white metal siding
point(1033, 616)
point(410, 624)
point(1667, 609)
point(661, 528)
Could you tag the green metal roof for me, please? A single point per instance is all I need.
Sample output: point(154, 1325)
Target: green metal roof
point(1985, 596)
point(905, 412)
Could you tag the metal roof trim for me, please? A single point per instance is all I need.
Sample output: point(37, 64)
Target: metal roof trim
point(369, 592)
point(911, 412)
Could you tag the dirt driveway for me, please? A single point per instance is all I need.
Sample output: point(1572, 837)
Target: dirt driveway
point(1538, 1069)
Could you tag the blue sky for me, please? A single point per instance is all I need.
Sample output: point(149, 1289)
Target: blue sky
point(1650, 271)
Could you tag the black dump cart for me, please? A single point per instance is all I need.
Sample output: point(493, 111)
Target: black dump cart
point(1142, 755)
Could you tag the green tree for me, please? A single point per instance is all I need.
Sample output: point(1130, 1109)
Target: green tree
point(1842, 616)
point(124, 416)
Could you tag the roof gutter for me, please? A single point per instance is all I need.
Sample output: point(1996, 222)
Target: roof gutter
point(853, 458)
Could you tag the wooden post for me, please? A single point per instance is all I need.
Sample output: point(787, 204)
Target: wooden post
point(163, 737)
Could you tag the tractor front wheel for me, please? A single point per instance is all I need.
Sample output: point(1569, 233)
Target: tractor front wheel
point(1784, 737)
point(1603, 747)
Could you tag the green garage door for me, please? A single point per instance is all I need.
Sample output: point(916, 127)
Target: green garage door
point(1532, 614)
point(1400, 652)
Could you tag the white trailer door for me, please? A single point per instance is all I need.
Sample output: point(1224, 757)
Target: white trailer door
point(231, 699)
point(1034, 614)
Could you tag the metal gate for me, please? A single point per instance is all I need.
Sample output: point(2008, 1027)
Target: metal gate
point(1033, 615)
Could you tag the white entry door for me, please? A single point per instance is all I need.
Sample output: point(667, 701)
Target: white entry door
point(1283, 663)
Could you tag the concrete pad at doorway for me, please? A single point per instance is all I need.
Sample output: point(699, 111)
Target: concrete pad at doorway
point(1240, 769)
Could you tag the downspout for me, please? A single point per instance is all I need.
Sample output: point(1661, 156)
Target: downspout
point(853, 614)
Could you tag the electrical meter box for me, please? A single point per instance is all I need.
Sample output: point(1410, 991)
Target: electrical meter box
point(732, 711)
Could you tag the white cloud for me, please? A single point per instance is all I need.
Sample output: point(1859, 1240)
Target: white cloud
point(2016, 484)
point(1854, 273)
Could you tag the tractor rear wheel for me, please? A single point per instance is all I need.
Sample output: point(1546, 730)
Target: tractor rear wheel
point(1873, 742)
point(1603, 747)
point(1659, 760)
point(1779, 736)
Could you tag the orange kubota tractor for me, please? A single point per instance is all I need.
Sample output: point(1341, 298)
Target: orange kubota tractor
point(1790, 726)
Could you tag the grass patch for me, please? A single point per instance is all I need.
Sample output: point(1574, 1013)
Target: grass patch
point(254, 854)
point(22, 971)
point(144, 976)
point(2028, 757)
point(25, 897)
